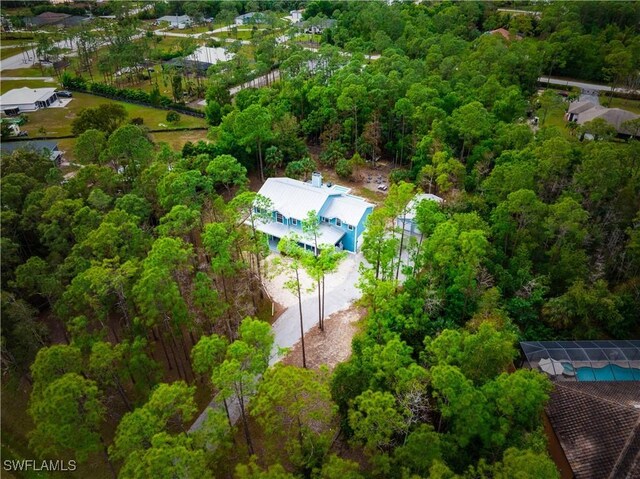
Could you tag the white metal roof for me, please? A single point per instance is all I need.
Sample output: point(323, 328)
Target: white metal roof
point(175, 19)
point(413, 204)
point(210, 55)
point(294, 199)
point(347, 208)
point(25, 95)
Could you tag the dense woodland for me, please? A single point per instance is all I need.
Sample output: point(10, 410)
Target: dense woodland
point(132, 288)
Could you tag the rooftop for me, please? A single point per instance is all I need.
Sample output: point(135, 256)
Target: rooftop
point(588, 111)
point(598, 427)
point(23, 95)
point(210, 55)
point(37, 145)
point(413, 204)
point(175, 19)
point(294, 199)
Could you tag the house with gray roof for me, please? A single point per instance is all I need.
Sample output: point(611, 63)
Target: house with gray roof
point(40, 146)
point(595, 429)
point(584, 111)
point(341, 216)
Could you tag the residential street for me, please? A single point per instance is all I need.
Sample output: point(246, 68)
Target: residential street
point(582, 85)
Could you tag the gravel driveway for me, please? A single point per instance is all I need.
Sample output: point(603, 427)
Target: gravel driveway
point(341, 291)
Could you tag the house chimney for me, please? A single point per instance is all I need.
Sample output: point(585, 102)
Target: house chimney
point(316, 179)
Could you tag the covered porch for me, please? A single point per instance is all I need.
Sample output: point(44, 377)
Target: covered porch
point(276, 231)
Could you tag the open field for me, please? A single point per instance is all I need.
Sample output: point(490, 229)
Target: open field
point(177, 139)
point(7, 85)
point(17, 42)
point(631, 105)
point(57, 121)
point(29, 72)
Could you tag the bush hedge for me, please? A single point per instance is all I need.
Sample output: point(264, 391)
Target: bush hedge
point(131, 95)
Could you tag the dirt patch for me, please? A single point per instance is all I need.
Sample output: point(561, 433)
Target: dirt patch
point(331, 346)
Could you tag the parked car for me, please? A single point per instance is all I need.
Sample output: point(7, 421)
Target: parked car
point(64, 94)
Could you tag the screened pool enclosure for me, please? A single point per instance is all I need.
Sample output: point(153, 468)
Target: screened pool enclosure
point(584, 360)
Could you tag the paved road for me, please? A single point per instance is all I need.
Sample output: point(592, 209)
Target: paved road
point(47, 79)
point(523, 12)
point(28, 58)
point(583, 85)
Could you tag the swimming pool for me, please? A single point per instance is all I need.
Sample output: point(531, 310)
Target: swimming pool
point(611, 372)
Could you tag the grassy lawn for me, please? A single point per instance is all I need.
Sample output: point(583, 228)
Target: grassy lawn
point(29, 72)
point(555, 117)
point(18, 42)
point(198, 29)
point(9, 52)
point(177, 139)
point(631, 105)
point(57, 121)
point(11, 36)
point(7, 85)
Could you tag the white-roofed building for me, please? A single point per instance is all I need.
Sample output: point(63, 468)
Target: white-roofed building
point(294, 16)
point(27, 99)
point(201, 59)
point(342, 216)
point(250, 18)
point(210, 56)
point(408, 220)
point(176, 21)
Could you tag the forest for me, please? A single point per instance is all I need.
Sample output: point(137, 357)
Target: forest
point(132, 292)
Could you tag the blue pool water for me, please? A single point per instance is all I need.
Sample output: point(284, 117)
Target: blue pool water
point(611, 372)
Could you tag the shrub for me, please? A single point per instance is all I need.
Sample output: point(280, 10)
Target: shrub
point(173, 117)
point(137, 121)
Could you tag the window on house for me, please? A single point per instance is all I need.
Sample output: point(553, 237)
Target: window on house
point(294, 221)
point(279, 218)
point(338, 222)
point(350, 227)
point(324, 220)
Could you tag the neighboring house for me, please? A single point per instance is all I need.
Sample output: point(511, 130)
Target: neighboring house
point(55, 19)
point(341, 216)
point(504, 33)
point(176, 21)
point(582, 112)
point(40, 146)
point(408, 221)
point(592, 418)
point(27, 99)
point(595, 429)
point(201, 59)
point(295, 16)
point(249, 18)
point(315, 28)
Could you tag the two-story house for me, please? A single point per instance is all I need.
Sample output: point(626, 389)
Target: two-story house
point(341, 216)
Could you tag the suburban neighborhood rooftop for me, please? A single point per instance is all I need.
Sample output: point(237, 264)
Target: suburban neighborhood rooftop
point(26, 95)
